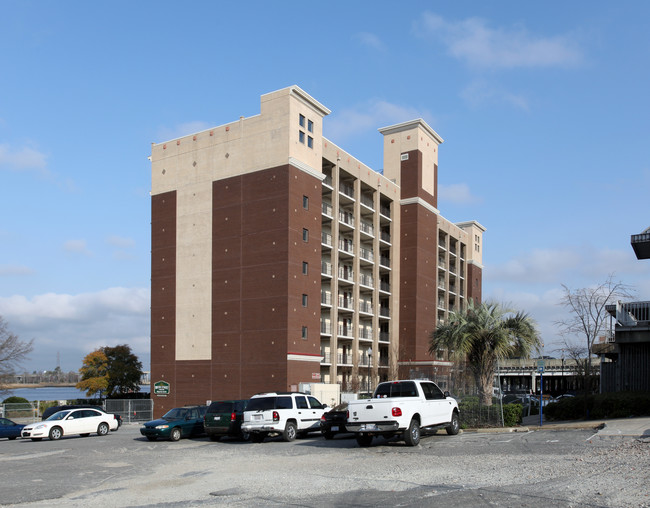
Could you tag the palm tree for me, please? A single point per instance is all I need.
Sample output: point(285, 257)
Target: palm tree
point(484, 334)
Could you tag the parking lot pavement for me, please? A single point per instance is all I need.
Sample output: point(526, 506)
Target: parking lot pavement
point(471, 469)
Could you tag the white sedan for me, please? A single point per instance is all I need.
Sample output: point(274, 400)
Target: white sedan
point(71, 422)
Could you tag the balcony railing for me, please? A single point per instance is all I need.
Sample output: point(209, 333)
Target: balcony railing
point(328, 181)
point(367, 254)
point(326, 239)
point(327, 209)
point(346, 218)
point(384, 210)
point(326, 328)
point(346, 189)
point(385, 286)
point(367, 201)
point(367, 228)
point(366, 280)
point(346, 245)
point(326, 268)
point(325, 298)
point(365, 306)
point(384, 261)
point(346, 303)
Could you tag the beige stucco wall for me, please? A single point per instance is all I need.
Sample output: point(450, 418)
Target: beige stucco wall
point(408, 136)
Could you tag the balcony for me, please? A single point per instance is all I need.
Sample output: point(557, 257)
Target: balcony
point(346, 220)
point(365, 307)
point(346, 303)
point(326, 239)
point(326, 298)
point(366, 279)
point(367, 228)
point(327, 210)
point(327, 182)
point(325, 328)
point(326, 269)
point(346, 246)
point(346, 192)
point(385, 287)
point(641, 244)
point(367, 255)
point(367, 202)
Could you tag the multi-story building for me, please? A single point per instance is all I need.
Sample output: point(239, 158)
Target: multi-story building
point(280, 259)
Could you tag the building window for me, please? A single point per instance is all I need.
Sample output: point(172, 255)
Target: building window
point(310, 126)
point(310, 142)
point(301, 137)
point(301, 120)
point(305, 235)
point(305, 267)
point(305, 202)
point(304, 332)
point(305, 300)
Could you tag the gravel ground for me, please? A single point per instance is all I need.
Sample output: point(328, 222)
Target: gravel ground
point(541, 468)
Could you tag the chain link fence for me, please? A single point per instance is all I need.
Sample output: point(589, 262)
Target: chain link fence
point(131, 410)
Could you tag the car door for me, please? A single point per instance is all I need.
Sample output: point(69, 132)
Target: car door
point(437, 407)
point(317, 410)
point(75, 422)
point(92, 419)
point(304, 413)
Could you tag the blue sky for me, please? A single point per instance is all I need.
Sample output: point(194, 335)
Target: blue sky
point(543, 108)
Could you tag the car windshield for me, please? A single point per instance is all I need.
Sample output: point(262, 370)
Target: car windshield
point(396, 389)
point(177, 413)
point(59, 416)
point(341, 407)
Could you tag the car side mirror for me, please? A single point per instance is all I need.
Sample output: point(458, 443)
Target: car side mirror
point(446, 394)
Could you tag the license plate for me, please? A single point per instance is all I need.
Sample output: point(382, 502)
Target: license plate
point(335, 427)
point(257, 417)
point(369, 426)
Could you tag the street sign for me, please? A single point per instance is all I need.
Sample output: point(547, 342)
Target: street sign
point(540, 365)
point(161, 388)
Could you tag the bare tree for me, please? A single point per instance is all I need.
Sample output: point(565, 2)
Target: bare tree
point(588, 315)
point(12, 352)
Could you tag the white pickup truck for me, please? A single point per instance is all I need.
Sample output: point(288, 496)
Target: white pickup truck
point(402, 407)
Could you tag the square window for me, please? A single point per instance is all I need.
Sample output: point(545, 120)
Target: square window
point(301, 137)
point(305, 235)
point(301, 120)
point(310, 142)
point(305, 202)
point(310, 126)
point(305, 267)
point(304, 332)
point(305, 300)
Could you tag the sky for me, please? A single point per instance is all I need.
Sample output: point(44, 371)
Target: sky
point(544, 109)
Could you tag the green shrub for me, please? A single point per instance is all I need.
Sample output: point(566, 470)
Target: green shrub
point(512, 414)
point(15, 400)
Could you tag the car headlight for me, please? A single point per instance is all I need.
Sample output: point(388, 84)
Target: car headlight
point(41, 426)
point(162, 427)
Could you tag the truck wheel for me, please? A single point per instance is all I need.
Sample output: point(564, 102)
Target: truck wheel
point(454, 425)
point(412, 434)
point(290, 432)
point(364, 440)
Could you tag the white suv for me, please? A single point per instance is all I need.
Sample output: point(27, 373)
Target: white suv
point(286, 414)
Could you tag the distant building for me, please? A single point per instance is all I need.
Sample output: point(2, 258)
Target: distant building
point(280, 259)
point(641, 244)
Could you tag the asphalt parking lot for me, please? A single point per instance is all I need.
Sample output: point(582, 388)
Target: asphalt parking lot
point(571, 467)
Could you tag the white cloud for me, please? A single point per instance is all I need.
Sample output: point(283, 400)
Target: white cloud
point(457, 194)
point(7, 270)
point(480, 46)
point(370, 40)
point(120, 242)
point(371, 115)
point(480, 92)
point(76, 247)
point(22, 159)
point(78, 324)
